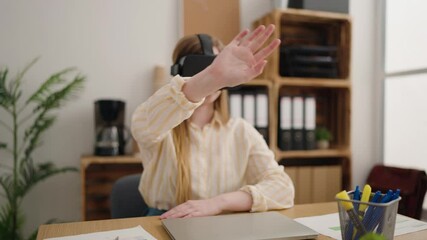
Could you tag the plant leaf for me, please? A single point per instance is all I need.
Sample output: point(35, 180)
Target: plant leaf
point(53, 100)
point(33, 133)
point(6, 184)
point(16, 83)
point(46, 88)
point(6, 219)
point(30, 175)
point(7, 231)
point(52, 94)
point(57, 98)
point(6, 98)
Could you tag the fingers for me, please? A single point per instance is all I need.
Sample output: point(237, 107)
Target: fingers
point(260, 67)
point(255, 41)
point(258, 37)
point(265, 52)
point(261, 38)
point(255, 33)
point(176, 212)
point(172, 214)
point(190, 215)
point(186, 209)
point(239, 37)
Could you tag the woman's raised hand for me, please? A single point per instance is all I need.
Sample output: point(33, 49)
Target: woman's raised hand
point(243, 58)
point(239, 62)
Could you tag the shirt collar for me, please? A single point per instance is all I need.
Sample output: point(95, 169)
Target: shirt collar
point(216, 120)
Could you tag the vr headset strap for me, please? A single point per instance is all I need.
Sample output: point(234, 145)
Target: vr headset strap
point(198, 62)
point(206, 42)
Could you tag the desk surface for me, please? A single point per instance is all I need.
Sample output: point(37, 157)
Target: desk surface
point(154, 226)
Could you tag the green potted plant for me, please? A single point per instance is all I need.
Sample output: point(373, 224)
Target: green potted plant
point(323, 137)
point(24, 122)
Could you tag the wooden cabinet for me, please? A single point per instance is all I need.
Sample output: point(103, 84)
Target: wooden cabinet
point(98, 176)
point(315, 183)
point(318, 173)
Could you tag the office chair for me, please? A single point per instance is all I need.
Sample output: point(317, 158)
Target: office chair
point(126, 201)
point(411, 182)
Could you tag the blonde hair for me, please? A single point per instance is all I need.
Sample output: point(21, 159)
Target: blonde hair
point(181, 136)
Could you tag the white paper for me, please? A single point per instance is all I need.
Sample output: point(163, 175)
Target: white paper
point(406, 224)
point(297, 112)
point(249, 108)
point(310, 113)
point(235, 105)
point(262, 110)
point(329, 225)
point(285, 113)
point(136, 233)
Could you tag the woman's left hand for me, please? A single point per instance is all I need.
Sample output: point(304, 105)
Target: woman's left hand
point(233, 201)
point(193, 208)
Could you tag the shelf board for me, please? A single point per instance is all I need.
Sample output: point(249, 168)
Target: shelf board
point(87, 160)
point(259, 82)
point(314, 82)
point(330, 16)
point(313, 153)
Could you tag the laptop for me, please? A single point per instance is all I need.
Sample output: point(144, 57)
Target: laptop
point(264, 225)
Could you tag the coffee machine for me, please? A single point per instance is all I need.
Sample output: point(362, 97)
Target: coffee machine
point(111, 134)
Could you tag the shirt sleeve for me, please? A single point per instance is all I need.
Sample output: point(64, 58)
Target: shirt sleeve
point(164, 110)
point(269, 185)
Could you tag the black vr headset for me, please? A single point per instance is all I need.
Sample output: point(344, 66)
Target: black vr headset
point(192, 64)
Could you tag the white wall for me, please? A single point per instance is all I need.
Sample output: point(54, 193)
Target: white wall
point(403, 52)
point(116, 45)
point(406, 122)
point(366, 91)
point(251, 10)
point(405, 125)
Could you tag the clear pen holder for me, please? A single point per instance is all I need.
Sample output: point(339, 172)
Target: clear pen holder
point(379, 218)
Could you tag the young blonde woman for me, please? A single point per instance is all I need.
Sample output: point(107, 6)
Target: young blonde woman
point(197, 162)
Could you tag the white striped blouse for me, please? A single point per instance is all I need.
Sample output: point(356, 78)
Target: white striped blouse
point(223, 157)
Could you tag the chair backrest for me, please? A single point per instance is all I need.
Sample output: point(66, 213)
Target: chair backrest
point(411, 182)
point(126, 201)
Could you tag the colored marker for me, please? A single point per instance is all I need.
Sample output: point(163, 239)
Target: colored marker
point(368, 215)
point(396, 194)
point(366, 193)
point(348, 206)
point(381, 224)
point(349, 230)
point(356, 194)
point(378, 212)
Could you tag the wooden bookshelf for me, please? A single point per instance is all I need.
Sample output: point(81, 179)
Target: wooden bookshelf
point(309, 168)
point(314, 82)
point(313, 153)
